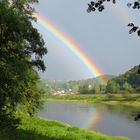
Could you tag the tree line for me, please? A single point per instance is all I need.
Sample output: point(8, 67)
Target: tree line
point(129, 82)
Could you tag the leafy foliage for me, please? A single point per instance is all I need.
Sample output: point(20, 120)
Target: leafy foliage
point(75, 86)
point(134, 5)
point(134, 29)
point(127, 82)
point(21, 51)
point(99, 5)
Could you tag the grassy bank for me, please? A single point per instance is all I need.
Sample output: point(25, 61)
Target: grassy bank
point(126, 99)
point(39, 129)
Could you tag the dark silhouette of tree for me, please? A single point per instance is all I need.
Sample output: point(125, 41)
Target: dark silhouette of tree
point(137, 117)
point(139, 70)
point(99, 6)
point(134, 29)
point(134, 5)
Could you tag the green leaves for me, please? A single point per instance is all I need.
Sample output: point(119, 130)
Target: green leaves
point(21, 51)
point(127, 82)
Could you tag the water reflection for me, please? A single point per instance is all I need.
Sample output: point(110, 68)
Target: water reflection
point(113, 120)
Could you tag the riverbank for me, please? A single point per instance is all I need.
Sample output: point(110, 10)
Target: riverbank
point(34, 128)
point(124, 99)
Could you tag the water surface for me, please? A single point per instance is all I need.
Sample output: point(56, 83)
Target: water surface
point(108, 119)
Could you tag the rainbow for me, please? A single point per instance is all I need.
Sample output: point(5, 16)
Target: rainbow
point(125, 17)
point(93, 120)
point(72, 46)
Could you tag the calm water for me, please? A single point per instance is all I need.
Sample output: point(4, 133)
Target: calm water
point(112, 120)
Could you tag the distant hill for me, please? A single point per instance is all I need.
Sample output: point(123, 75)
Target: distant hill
point(129, 81)
point(73, 85)
point(96, 80)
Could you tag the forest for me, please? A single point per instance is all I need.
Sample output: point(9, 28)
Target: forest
point(129, 82)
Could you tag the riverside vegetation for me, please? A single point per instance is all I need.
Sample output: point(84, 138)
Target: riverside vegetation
point(123, 89)
point(124, 99)
point(129, 82)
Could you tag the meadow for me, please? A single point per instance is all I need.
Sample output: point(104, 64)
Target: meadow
point(125, 99)
point(34, 128)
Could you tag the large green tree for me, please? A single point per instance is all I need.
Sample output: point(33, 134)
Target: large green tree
point(21, 51)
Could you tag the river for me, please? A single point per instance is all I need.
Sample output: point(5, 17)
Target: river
point(109, 119)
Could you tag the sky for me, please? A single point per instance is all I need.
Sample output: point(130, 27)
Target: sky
point(102, 36)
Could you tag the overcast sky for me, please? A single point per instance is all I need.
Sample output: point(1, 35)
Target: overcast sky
point(102, 36)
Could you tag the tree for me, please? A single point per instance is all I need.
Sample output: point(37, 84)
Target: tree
point(83, 89)
point(97, 88)
point(21, 51)
point(34, 96)
point(127, 87)
point(102, 88)
point(127, 82)
point(112, 87)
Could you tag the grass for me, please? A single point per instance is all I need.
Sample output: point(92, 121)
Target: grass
point(125, 99)
point(34, 128)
